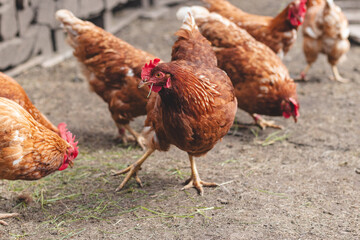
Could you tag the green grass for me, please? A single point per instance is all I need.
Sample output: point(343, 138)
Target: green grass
point(282, 195)
point(64, 201)
point(272, 138)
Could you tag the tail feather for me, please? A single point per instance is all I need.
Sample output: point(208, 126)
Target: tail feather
point(189, 22)
point(71, 24)
point(196, 12)
point(201, 13)
point(189, 26)
point(329, 3)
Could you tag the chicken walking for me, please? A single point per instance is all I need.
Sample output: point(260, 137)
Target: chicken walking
point(112, 68)
point(195, 104)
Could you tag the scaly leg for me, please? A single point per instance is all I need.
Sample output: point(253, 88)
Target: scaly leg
point(195, 181)
point(139, 138)
point(132, 170)
point(124, 138)
point(337, 76)
point(7, 215)
point(304, 72)
point(262, 123)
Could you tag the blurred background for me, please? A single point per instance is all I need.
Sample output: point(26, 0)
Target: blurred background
point(30, 35)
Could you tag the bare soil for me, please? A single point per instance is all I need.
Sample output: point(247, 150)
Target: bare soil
point(299, 183)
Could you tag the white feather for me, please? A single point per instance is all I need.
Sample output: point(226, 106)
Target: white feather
point(330, 3)
point(309, 31)
point(196, 11)
point(17, 161)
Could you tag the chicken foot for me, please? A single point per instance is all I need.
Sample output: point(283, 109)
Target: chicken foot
point(133, 170)
point(139, 138)
point(262, 123)
point(195, 181)
point(136, 136)
point(7, 215)
point(337, 76)
point(304, 72)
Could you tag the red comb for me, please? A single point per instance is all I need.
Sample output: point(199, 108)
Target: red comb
point(62, 129)
point(147, 68)
point(67, 136)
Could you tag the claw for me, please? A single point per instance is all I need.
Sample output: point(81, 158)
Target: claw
point(198, 184)
point(7, 215)
point(262, 123)
point(195, 181)
point(132, 170)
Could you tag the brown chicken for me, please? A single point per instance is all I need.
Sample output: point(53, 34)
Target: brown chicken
point(279, 33)
point(12, 90)
point(112, 68)
point(195, 105)
point(326, 30)
point(262, 82)
point(28, 150)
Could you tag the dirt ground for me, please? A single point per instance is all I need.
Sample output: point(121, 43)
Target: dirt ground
point(302, 182)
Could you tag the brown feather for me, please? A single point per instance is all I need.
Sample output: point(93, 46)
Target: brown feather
point(12, 90)
point(200, 106)
point(111, 66)
point(260, 79)
point(28, 150)
point(275, 32)
point(325, 31)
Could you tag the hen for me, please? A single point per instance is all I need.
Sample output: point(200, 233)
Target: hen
point(262, 82)
point(279, 33)
point(195, 105)
point(112, 68)
point(326, 30)
point(12, 90)
point(29, 150)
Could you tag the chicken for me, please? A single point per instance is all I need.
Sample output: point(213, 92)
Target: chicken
point(326, 30)
point(112, 68)
point(29, 150)
point(262, 82)
point(195, 104)
point(12, 90)
point(279, 33)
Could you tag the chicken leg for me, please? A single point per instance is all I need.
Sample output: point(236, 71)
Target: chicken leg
point(7, 215)
point(304, 72)
point(337, 76)
point(262, 123)
point(125, 138)
point(195, 181)
point(133, 170)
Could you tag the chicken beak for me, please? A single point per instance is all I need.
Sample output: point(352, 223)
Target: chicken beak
point(71, 164)
point(143, 83)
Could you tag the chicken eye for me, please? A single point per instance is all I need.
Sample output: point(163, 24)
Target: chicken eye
point(158, 75)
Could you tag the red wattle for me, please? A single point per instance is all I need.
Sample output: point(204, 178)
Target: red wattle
point(286, 115)
point(64, 165)
point(156, 88)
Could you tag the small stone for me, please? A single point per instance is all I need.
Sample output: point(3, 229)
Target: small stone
point(223, 201)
